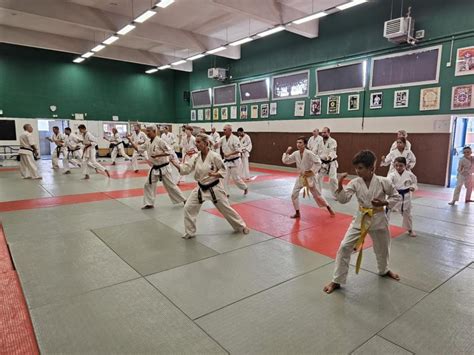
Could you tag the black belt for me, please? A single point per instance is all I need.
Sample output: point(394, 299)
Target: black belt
point(403, 192)
point(230, 160)
point(157, 167)
point(69, 151)
point(206, 188)
point(328, 161)
point(58, 150)
point(112, 145)
point(35, 152)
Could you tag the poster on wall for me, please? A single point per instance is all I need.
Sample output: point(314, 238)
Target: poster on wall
point(243, 112)
point(400, 98)
point(353, 102)
point(273, 108)
point(315, 107)
point(193, 115)
point(200, 115)
point(334, 104)
point(376, 99)
point(207, 114)
point(299, 108)
point(233, 112)
point(465, 61)
point(254, 111)
point(224, 113)
point(264, 111)
point(430, 99)
point(215, 114)
point(462, 97)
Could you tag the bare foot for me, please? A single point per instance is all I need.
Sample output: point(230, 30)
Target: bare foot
point(467, 201)
point(67, 172)
point(187, 236)
point(331, 212)
point(38, 178)
point(107, 173)
point(246, 191)
point(147, 207)
point(246, 230)
point(392, 275)
point(86, 177)
point(113, 163)
point(412, 234)
point(330, 287)
point(296, 215)
point(451, 203)
point(136, 171)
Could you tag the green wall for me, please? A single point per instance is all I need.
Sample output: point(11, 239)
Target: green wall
point(33, 79)
point(356, 33)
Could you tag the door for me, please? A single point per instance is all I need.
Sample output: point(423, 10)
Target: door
point(460, 127)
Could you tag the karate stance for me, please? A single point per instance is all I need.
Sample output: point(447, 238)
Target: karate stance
point(208, 172)
point(308, 164)
point(405, 182)
point(60, 147)
point(328, 154)
point(117, 145)
point(188, 147)
point(215, 137)
point(401, 151)
point(315, 142)
point(401, 134)
point(160, 170)
point(246, 144)
point(28, 153)
point(170, 139)
point(73, 155)
point(231, 148)
point(373, 194)
point(464, 177)
point(138, 138)
point(88, 154)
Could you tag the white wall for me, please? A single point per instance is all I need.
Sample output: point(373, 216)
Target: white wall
point(19, 122)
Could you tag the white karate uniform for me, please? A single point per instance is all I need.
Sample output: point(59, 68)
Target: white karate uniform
point(390, 159)
point(216, 194)
point(214, 138)
point(119, 147)
point(233, 162)
point(314, 144)
point(74, 151)
point(188, 149)
point(328, 152)
point(59, 149)
point(394, 146)
point(89, 152)
point(380, 188)
point(28, 168)
point(246, 144)
point(309, 162)
point(139, 139)
point(170, 139)
point(464, 177)
point(155, 147)
point(403, 182)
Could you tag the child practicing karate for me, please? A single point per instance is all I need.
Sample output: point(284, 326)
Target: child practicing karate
point(465, 171)
point(308, 165)
point(405, 182)
point(373, 194)
point(401, 151)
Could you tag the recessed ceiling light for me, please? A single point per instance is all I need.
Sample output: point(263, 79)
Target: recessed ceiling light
point(351, 4)
point(215, 50)
point(271, 31)
point(87, 55)
point(241, 41)
point(145, 16)
point(310, 18)
point(152, 70)
point(163, 67)
point(98, 48)
point(79, 60)
point(111, 40)
point(197, 56)
point(164, 3)
point(182, 61)
point(126, 30)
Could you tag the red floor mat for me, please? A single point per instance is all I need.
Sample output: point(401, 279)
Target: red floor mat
point(5, 261)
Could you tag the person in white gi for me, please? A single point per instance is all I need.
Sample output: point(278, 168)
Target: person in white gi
point(60, 147)
point(401, 134)
point(28, 152)
point(401, 151)
point(188, 147)
point(138, 138)
point(464, 177)
point(117, 145)
point(328, 154)
point(246, 144)
point(159, 154)
point(89, 151)
point(405, 182)
point(215, 137)
point(308, 165)
point(373, 194)
point(315, 141)
point(208, 172)
point(232, 149)
point(74, 150)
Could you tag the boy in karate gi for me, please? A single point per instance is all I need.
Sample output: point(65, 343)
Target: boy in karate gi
point(327, 152)
point(465, 171)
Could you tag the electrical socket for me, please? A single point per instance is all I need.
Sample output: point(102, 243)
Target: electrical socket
point(448, 64)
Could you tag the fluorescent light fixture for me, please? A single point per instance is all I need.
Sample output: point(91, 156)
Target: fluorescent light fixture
point(364, 72)
point(126, 30)
point(351, 4)
point(164, 3)
point(182, 61)
point(87, 55)
point(145, 16)
point(310, 18)
point(215, 50)
point(110, 40)
point(98, 48)
point(241, 41)
point(163, 67)
point(271, 31)
point(152, 70)
point(197, 56)
point(79, 60)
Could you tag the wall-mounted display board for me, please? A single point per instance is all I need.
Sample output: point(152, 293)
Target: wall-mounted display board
point(254, 91)
point(291, 85)
point(224, 95)
point(341, 78)
point(201, 98)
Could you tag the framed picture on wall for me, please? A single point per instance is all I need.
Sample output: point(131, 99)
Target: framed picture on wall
point(193, 115)
point(353, 102)
point(273, 108)
point(215, 114)
point(264, 110)
point(334, 104)
point(400, 98)
point(254, 111)
point(243, 112)
point(464, 61)
point(200, 114)
point(233, 112)
point(315, 107)
point(299, 108)
point(207, 114)
point(376, 99)
point(462, 97)
point(224, 113)
point(430, 99)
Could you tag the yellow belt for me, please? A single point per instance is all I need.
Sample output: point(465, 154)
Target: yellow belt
point(365, 223)
point(304, 181)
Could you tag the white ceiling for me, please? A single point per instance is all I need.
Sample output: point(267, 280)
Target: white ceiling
point(185, 28)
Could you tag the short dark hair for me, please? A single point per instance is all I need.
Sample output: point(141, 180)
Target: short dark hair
point(240, 129)
point(467, 148)
point(365, 157)
point(67, 129)
point(304, 139)
point(403, 140)
point(401, 160)
point(56, 127)
point(81, 126)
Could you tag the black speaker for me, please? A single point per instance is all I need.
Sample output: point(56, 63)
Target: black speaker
point(186, 96)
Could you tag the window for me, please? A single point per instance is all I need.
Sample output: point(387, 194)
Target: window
point(254, 91)
point(225, 95)
point(122, 129)
point(417, 67)
point(341, 78)
point(289, 86)
point(201, 98)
